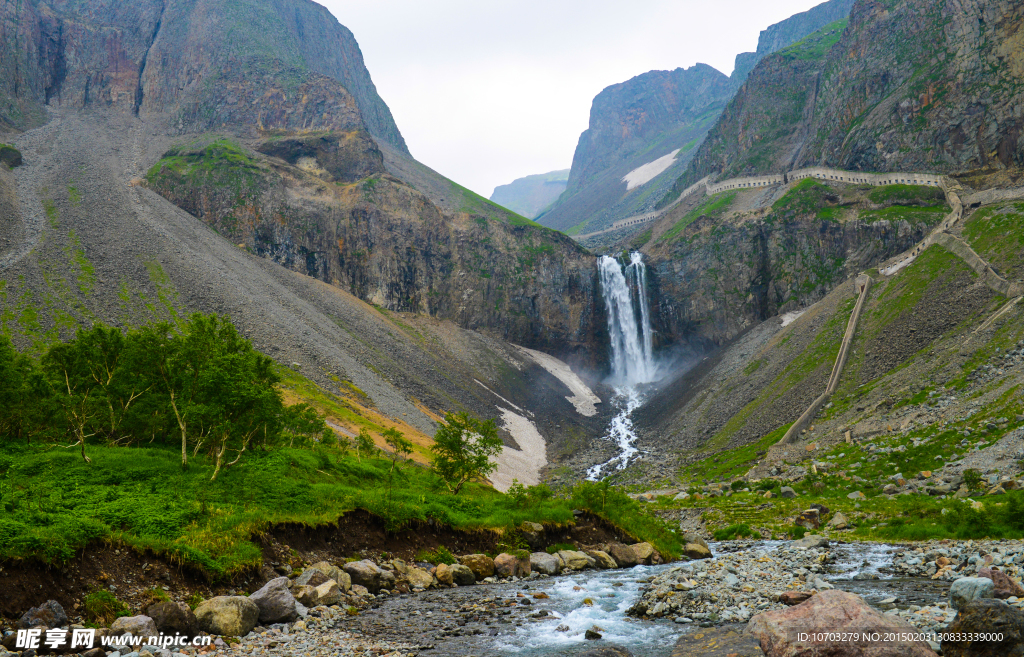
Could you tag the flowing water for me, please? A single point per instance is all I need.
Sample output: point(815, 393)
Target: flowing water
point(631, 351)
point(562, 631)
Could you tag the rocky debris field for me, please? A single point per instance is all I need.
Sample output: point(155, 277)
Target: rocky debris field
point(303, 609)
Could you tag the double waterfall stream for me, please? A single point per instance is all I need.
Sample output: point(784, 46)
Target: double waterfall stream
point(631, 352)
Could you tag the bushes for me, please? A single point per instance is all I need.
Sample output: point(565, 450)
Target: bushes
point(103, 608)
point(732, 532)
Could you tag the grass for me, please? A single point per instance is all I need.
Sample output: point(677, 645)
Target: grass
point(52, 504)
point(997, 234)
point(806, 197)
point(930, 215)
point(712, 207)
point(905, 292)
point(817, 45)
point(923, 195)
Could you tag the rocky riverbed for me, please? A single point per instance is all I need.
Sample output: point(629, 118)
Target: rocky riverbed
point(644, 608)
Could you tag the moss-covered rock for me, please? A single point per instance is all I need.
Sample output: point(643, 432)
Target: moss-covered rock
point(10, 155)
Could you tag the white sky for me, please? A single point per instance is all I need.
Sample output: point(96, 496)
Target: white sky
point(487, 91)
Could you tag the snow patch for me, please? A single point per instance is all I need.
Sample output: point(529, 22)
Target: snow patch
point(583, 398)
point(523, 464)
point(791, 317)
point(646, 173)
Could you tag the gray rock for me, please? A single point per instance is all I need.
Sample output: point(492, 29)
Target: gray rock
point(333, 572)
point(810, 541)
point(365, 573)
point(623, 555)
point(548, 564)
point(136, 625)
point(173, 618)
point(462, 575)
point(965, 589)
point(328, 593)
point(533, 534)
point(787, 491)
point(311, 577)
point(419, 578)
point(228, 615)
point(576, 560)
point(276, 602)
point(48, 614)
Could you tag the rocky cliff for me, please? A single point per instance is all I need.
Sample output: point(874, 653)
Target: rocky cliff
point(785, 33)
point(908, 85)
point(324, 206)
point(198, 64)
point(635, 123)
point(531, 195)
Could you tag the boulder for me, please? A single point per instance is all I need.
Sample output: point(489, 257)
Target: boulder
point(718, 642)
point(576, 560)
point(533, 534)
point(359, 591)
point(828, 613)
point(333, 572)
point(1006, 586)
point(989, 616)
point(418, 578)
point(601, 559)
point(787, 491)
point(311, 577)
point(328, 593)
point(228, 615)
point(365, 573)
point(966, 589)
point(48, 614)
point(462, 575)
point(694, 537)
point(507, 565)
point(544, 563)
point(811, 541)
point(136, 625)
point(444, 574)
point(791, 598)
point(173, 618)
point(305, 595)
point(809, 519)
point(623, 555)
point(644, 552)
point(387, 579)
point(481, 565)
point(276, 602)
point(839, 521)
point(697, 551)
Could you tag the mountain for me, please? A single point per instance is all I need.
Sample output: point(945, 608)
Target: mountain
point(529, 196)
point(643, 132)
point(234, 157)
point(905, 86)
point(786, 33)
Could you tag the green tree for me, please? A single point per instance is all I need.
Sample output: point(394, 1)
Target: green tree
point(463, 447)
point(23, 392)
point(364, 445)
point(75, 391)
point(400, 446)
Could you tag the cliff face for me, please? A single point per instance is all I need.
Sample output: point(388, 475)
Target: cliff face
point(201, 64)
point(320, 206)
point(632, 124)
point(785, 33)
point(908, 85)
point(636, 122)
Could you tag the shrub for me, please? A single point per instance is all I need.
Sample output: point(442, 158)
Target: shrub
point(973, 479)
point(732, 532)
point(797, 532)
point(437, 556)
point(102, 607)
point(558, 547)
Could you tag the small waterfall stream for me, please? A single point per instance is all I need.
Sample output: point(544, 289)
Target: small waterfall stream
point(631, 351)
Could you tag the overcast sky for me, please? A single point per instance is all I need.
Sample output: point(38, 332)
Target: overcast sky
point(486, 91)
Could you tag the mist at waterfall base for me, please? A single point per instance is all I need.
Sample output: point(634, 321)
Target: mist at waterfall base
point(631, 352)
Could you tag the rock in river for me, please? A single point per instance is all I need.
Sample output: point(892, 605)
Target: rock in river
point(965, 589)
point(988, 616)
point(228, 615)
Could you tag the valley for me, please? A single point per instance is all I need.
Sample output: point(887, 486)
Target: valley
point(768, 326)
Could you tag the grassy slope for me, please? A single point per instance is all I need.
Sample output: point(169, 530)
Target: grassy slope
point(868, 466)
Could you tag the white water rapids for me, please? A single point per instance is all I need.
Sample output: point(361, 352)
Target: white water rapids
point(631, 351)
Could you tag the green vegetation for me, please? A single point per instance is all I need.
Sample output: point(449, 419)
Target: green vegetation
point(817, 45)
point(712, 207)
point(438, 556)
point(905, 292)
point(463, 447)
point(921, 195)
point(732, 532)
point(806, 197)
point(103, 608)
point(94, 434)
point(10, 155)
point(913, 215)
point(997, 234)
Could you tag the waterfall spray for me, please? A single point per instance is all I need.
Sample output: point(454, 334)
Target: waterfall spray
point(631, 350)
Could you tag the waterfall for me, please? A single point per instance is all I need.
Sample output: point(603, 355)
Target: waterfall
point(631, 350)
point(629, 324)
